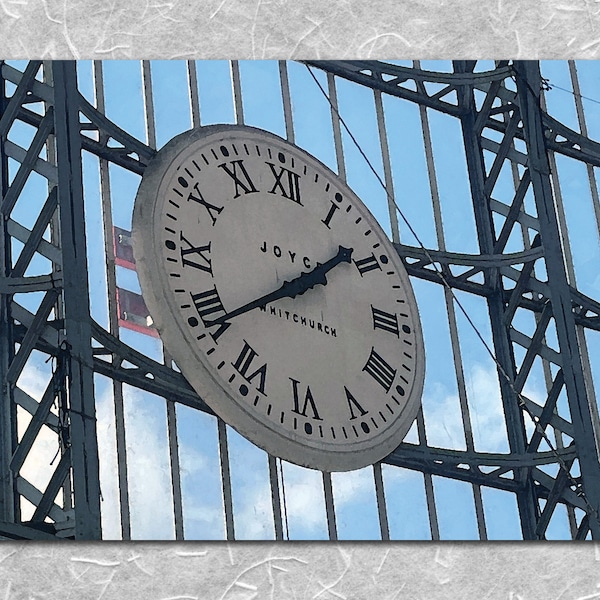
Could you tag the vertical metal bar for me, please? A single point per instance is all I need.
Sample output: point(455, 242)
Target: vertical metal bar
point(515, 425)
point(167, 359)
point(451, 310)
point(585, 359)
point(339, 153)
point(226, 479)
point(287, 102)
point(337, 129)
point(584, 131)
point(329, 506)
point(237, 92)
point(221, 427)
point(9, 505)
point(434, 526)
point(59, 314)
point(546, 369)
point(528, 91)
point(387, 166)
point(113, 319)
point(381, 505)
point(194, 97)
point(148, 103)
point(389, 188)
point(275, 497)
point(175, 467)
point(77, 326)
point(568, 257)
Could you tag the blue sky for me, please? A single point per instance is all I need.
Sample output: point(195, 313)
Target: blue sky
point(354, 493)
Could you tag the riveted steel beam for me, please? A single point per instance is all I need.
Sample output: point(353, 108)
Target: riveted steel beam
point(528, 89)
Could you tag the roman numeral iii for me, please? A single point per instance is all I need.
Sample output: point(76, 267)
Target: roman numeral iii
point(379, 370)
point(386, 321)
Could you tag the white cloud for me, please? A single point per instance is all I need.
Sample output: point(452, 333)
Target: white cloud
point(443, 422)
point(149, 470)
point(149, 477)
point(42, 458)
point(254, 514)
point(107, 451)
point(443, 418)
point(487, 414)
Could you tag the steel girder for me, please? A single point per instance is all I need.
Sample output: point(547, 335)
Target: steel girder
point(67, 502)
point(509, 280)
point(509, 283)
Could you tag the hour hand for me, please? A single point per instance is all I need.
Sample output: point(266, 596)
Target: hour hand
point(317, 276)
point(293, 288)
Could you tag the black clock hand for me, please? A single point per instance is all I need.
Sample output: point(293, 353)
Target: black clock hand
point(291, 289)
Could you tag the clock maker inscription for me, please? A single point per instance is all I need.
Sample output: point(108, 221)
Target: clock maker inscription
point(288, 294)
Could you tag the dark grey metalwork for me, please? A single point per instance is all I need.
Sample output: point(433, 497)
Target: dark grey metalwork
point(62, 319)
point(61, 329)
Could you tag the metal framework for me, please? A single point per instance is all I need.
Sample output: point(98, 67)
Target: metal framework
point(504, 126)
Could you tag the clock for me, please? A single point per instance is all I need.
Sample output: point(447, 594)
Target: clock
point(279, 297)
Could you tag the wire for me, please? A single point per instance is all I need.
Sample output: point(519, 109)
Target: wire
point(285, 514)
point(553, 86)
point(521, 398)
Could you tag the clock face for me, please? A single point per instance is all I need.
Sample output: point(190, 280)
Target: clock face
point(279, 297)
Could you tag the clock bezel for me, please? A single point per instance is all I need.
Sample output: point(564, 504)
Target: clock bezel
point(149, 257)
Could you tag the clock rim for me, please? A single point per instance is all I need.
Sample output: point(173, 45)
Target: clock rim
point(207, 384)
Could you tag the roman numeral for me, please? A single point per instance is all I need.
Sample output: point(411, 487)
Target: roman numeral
point(380, 371)
point(352, 401)
point(364, 265)
point(308, 401)
point(211, 208)
point(332, 210)
point(288, 186)
point(242, 366)
point(385, 321)
point(240, 177)
point(205, 265)
point(207, 304)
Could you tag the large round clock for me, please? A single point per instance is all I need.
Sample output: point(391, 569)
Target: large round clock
point(279, 297)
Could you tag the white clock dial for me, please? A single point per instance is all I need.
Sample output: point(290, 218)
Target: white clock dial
point(279, 296)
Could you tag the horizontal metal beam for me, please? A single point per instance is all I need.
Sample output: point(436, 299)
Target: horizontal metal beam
point(146, 374)
point(18, 531)
point(389, 78)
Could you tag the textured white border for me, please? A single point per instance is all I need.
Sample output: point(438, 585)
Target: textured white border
point(300, 29)
point(298, 571)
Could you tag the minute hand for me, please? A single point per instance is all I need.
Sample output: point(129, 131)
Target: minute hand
point(293, 288)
